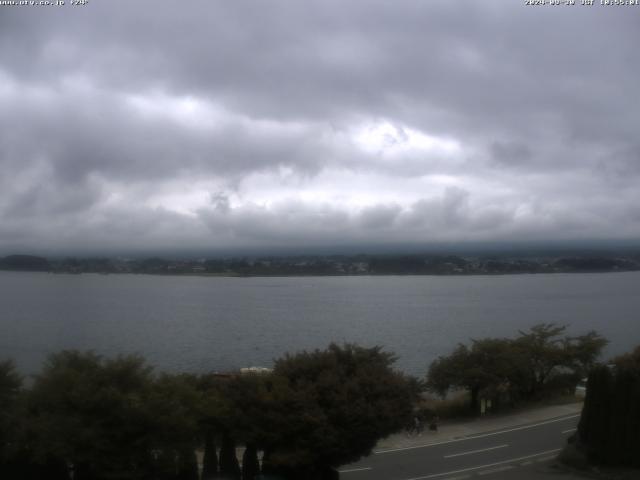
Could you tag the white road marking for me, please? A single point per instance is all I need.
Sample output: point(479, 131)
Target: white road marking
point(569, 430)
point(496, 470)
point(461, 477)
point(475, 451)
point(545, 459)
point(515, 429)
point(355, 470)
point(512, 460)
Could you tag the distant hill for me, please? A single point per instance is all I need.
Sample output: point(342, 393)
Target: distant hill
point(313, 265)
point(29, 263)
point(594, 264)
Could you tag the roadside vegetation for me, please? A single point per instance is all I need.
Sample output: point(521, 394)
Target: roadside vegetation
point(92, 418)
point(86, 417)
point(491, 373)
point(608, 434)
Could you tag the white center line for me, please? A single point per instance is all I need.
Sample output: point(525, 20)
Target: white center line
point(355, 470)
point(569, 430)
point(473, 437)
point(512, 460)
point(475, 451)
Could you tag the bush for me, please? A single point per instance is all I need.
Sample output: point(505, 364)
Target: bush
point(455, 405)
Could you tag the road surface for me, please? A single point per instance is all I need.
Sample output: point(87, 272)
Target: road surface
point(483, 456)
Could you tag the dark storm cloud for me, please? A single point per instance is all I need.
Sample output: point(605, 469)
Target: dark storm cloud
point(218, 123)
point(511, 153)
point(379, 216)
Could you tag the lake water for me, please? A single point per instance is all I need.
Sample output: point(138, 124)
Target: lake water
point(207, 323)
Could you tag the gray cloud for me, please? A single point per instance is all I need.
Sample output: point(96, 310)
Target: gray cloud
point(223, 124)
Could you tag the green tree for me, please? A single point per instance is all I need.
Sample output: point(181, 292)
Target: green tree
point(242, 407)
point(329, 407)
point(222, 422)
point(583, 351)
point(10, 416)
point(92, 413)
point(543, 352)
point(210, 423)
point(486, 366)
point(609, 428)
point(250, 463)
point(210, 457)
point(187, 465)
point(521, 367)
point(229, 465)
point(175, 407)
point(629, 361)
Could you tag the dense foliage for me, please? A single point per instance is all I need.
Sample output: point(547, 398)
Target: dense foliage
point(342, 398)
point(609, 429)
point(538, 362)
point(10, 384)
point(90, 418)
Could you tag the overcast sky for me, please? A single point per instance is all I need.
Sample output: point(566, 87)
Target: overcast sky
point(128, 125)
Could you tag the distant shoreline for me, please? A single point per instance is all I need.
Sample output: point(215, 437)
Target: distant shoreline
point(301, 275)
point(331, 265)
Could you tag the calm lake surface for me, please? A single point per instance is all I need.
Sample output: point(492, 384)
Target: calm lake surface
point(207, 323)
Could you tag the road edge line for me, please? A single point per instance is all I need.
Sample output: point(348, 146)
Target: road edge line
point(473, 437)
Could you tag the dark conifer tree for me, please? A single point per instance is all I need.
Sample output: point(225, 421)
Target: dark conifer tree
point(610, 423)
point(187, 465)
point(229, 466)
point(166, 465)
point(210, 459)
point(250, 463)
point(602, 410)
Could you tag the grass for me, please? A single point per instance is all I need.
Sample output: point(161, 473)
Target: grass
point(456, 405)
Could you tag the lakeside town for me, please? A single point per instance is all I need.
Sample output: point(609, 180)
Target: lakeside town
point(320, 265)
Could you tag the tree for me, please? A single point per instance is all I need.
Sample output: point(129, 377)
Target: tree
point(329, 407)
point(175, 408)
point(250, 463)
point(229, 465)
point(629, 361)
point(187, 465)
point(486, 366)
point(93, 414)
point(210, 458)
point(227, 405)
point(609, 428)
point(583, 351)
point(243, 399)
point(522, 366)
point(25, 262)
point(543, 352)
point(10, 386)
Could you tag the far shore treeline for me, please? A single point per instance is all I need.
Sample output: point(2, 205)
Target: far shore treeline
point(317, 265)
point(88, 417)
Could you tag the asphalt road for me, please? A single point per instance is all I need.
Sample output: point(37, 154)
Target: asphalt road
point(486, 455)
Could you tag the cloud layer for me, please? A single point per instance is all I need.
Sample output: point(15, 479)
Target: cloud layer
point(132, 125)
